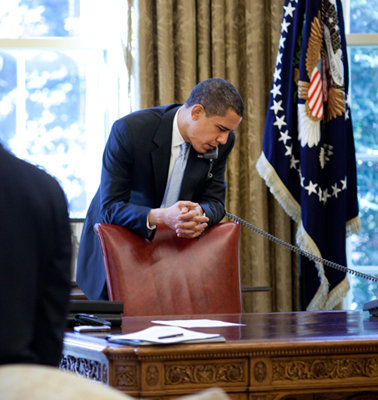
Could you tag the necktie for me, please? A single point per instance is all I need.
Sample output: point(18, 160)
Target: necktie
point(174, 185)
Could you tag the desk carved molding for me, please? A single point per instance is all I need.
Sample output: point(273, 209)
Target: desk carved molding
point(90, 369)
point(152, 375)
point(207, 374)
point(203, 373)
point(342, 368)
point(126, 376)
point(253, 354)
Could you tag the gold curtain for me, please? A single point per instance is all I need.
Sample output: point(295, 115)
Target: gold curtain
point(182, 42)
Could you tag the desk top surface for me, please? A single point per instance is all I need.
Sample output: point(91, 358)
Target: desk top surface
point(261, 330)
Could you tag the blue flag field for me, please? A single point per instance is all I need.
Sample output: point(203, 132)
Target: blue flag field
point(308, 159)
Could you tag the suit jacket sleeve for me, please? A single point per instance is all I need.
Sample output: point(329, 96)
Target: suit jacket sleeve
point(117, 180)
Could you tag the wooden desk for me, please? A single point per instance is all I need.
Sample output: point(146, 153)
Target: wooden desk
point(319, 355)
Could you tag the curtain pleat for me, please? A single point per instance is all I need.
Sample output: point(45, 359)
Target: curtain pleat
point(203, 31)
point(165, 51)
point(146, 53)
point(185, 49)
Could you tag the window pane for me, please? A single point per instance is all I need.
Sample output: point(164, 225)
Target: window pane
point(364, 95)
point(58, 120)
point(363, 291)
point(365, 243)
point(39, 18)
point(363, 16)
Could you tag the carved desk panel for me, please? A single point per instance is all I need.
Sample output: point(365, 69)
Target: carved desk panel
point(277, 356)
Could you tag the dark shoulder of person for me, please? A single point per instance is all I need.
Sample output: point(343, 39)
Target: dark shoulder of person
point(24, 182)
point(149, 115)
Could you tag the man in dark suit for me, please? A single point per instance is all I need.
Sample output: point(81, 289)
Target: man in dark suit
point(35, 264)
point(137, 166)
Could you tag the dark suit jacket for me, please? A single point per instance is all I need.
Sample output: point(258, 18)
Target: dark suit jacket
point(134, 175)
point(35, 263)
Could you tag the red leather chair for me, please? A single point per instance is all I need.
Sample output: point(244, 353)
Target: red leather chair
point(171, 275)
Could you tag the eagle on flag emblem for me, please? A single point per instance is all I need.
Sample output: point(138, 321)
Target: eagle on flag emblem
point(316, 92)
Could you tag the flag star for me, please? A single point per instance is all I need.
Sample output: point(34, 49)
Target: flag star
point(289, 150)
point(282, 42)
point(343, 184)
point(280, 121)
point(284, 136)
point(277, 74)
point(279, 58)
point(275, 90)
point(320, 194)
point(293, 162)
point(276, 106)
point(289, 10)
point(285, 25)
point(325, 196)
point(311, 188)
point(335, 190)
point(346, 114)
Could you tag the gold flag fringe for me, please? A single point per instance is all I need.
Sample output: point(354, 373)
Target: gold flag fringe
point(278, 189)
point(353, 226)
point(306, 243)
point(337, 294)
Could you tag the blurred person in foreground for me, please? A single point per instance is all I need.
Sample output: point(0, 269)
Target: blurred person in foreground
point(35, 263)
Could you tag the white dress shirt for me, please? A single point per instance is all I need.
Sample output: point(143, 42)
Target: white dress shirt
point(177, 141)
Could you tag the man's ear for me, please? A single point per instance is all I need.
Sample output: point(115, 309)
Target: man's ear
point(196, 111)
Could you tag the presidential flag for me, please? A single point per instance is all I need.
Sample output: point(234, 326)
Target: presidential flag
point(308, 158)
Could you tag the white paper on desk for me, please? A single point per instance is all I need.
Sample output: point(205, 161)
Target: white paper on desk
point(154, 334)
point(197, 323)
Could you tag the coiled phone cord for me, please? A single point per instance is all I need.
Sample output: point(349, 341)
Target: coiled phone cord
point(298, 250)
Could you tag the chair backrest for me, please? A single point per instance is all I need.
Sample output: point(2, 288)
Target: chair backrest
point(172, 275)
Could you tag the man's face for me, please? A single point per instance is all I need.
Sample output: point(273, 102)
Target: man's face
point(205, 133)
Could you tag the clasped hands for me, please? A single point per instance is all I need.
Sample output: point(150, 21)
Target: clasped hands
point(185, 217)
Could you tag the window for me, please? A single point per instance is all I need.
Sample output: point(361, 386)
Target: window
point(361, 17)
point(62, 75)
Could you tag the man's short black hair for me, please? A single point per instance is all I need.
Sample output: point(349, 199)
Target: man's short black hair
point(217, 96)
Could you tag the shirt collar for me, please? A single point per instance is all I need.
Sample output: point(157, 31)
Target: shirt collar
point(177, 139)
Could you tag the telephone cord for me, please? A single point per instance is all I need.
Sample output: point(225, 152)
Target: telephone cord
point(298, 250)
